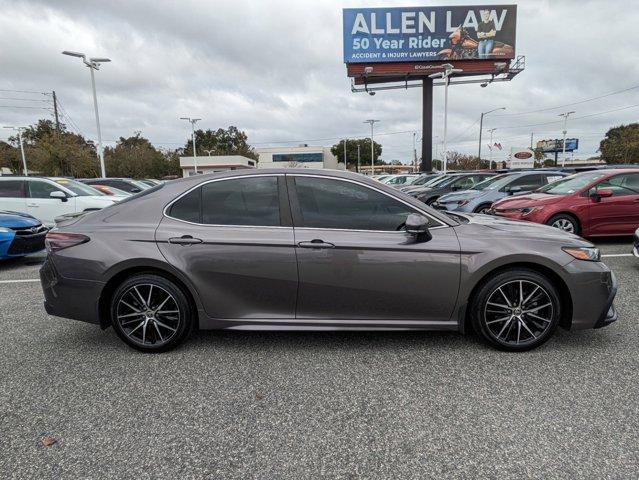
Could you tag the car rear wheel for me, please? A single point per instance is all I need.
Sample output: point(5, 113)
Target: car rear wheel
point(150, 313)
point(516, 310)
point(564, 222)
point(430, 201)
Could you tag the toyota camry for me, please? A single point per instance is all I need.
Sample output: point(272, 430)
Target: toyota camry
point(299, 249)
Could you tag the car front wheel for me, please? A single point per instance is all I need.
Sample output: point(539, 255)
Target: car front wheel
point(150, 313)
point(565, 223)
point(516, 310)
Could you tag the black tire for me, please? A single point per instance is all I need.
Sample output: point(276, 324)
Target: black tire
point(169, 315)
point(500, 327)
point(483, 208)
point(565, 222)
point(430, 201)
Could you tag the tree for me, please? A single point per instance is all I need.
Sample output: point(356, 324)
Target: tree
point(136, 157)
point(621, 144)
point(10, 157)
point(231, 141)
point(57, 153)
point(351, 151)
point(459, 161)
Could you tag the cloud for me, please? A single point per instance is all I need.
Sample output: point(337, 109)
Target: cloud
point(275, 70)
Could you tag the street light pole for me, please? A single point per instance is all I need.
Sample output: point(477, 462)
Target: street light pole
point(481, 127)
point(490, 162)
point(448, 71)
point(193, 121)
point(563, 155)
point(358, 158)
point(94, 64)
point(24, 158)
point(345, 162)
point(372, 123)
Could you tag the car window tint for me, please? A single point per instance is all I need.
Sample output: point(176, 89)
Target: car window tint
point(41, 189)
point(242, 201)
point(11, 189)
point(621, 185)
point(187, 208)
point(527, 182)
point(327, 203)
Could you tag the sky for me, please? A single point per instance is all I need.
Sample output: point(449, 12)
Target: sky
point(275, 70)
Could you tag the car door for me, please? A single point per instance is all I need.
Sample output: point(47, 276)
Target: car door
point(41, 205)
point(12, 195)
point(355, 262)
point(233, 238)
point(619, 214)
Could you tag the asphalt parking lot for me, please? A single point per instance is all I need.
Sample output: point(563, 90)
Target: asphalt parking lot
point(307, 405)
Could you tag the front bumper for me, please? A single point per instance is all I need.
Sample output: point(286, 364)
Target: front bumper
point(58, 291)
point(17, 244)
point(593, 288)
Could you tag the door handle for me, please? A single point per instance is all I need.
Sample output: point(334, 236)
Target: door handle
point(316, 243)
point(185, 240)
point(32, 205)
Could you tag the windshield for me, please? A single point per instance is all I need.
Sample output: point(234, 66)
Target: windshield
point(140, 184)
point(424, 179)
point(571, 184)
point(80, 189)
point(493, 183)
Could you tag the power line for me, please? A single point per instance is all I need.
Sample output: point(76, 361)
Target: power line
point(24, 99)
point(21, 106)
point(22, 91)
point(569, 104)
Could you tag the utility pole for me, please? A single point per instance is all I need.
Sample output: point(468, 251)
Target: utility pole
point(345, 162)
point(55, 112)
point(563, 156)
point(372, 123)
point(358, 158)
point(481, 127)
point(414, 152)
point(490, 163)
point(193, 121)
point(531, 140)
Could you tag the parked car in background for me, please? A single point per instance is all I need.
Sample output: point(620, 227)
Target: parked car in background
point(112, 191)
point(428, 182)
point(451, 183)
point(480, 198)
point(420, 181)
point(590, 204)
point(20, 234)
point(126, 184)
point(401, 180)
point(151, 182)
point(48, 198)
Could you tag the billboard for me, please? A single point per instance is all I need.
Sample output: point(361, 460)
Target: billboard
point(418, 34)
point(556, 145)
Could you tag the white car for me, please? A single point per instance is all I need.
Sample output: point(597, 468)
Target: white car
point(48, 198)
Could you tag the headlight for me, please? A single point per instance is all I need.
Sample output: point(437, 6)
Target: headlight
point(461, 203)
point(590, 254)
point(5, 230)
point(529, 210)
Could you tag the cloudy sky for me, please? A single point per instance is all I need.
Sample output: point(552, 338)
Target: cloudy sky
point(274, 68)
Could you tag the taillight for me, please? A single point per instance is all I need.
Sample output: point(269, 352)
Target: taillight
point(58, 240)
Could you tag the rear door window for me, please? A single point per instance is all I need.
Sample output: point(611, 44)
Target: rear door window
point(11, 189)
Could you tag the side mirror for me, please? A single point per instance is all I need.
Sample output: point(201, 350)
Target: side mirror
point(605, 193)
point(135, 190)
point(417, 226)
point(59, 195)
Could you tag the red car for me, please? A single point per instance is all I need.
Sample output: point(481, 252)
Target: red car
point(591, 204)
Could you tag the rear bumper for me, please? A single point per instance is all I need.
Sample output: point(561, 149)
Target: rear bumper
point(69, 298)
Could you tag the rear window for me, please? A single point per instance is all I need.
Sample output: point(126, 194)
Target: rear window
point(188, 208)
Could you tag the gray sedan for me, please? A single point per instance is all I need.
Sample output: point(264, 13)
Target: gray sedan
point(298, 249)
point(479, 198)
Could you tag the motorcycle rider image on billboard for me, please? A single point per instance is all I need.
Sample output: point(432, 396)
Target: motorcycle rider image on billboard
point(377, 35)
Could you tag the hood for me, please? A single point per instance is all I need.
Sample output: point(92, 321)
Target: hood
point(524, 229)
point(528, 200)
point(17, 219)
point(107, 200)
point(461, 195)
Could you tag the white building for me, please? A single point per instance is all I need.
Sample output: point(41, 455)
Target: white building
point(215, 163)
point(301, 156)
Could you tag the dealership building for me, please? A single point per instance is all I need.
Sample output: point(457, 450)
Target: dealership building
point(302, 156)
point(215, 163)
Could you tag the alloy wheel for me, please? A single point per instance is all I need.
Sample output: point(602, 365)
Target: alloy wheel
point(148, 315)
point(518, 312)
point(564, 224)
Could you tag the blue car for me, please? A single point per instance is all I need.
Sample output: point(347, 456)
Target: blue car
point(20, 234)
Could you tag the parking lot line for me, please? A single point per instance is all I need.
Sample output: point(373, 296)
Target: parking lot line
point(617, 255)
point(23, 280)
